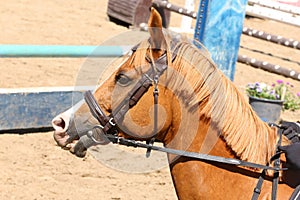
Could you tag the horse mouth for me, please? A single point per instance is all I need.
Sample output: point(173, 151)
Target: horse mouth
point(68, 137)
point(73, 144)
point(63, 137)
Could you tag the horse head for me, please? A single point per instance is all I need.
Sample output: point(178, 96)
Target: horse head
point(148, 60)
point(193, 96)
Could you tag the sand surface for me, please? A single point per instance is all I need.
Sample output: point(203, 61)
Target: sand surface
point(32, 166)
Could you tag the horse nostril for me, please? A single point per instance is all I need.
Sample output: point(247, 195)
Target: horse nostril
point(58, 123)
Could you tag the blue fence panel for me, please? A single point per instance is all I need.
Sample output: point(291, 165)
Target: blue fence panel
point(25, 110)
point(219, 27)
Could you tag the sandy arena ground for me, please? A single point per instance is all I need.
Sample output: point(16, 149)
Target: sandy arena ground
point(32, 166)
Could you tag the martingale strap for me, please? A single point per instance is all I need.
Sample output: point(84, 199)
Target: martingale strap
point(276, 159)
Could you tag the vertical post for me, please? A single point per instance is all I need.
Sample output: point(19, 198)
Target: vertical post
point(219, 27)
point(186, 22)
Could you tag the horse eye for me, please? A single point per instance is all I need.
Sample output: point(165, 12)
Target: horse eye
point(123, 80)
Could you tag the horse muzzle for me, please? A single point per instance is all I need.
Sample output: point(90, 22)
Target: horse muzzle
point(66, 136)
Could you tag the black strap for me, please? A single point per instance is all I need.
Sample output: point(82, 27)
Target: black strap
point(200, 156)
point(276, 159)
point(94, 108)
point(296, 194)
point(155, 115)
point(157, 69)
point(258, 186)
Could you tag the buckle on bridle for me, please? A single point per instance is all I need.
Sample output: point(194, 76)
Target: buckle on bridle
point(111, 122)
point(96, 136)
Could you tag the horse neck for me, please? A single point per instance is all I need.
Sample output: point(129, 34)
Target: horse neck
point(223, 120)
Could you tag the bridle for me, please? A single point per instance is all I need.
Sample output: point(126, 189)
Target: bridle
point(108, 124)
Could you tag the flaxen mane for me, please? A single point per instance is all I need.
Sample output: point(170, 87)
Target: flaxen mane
point(248, 136)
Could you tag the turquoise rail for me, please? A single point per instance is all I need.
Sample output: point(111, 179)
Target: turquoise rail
point(61, 51)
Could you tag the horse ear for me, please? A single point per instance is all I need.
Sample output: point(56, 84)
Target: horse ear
point(155, 29)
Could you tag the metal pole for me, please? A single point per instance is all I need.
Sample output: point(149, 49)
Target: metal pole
point(272, 38)
point(269, 67)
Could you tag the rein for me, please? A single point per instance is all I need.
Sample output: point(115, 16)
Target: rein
point(99, 114)
point(205, 157)
point(275, 181)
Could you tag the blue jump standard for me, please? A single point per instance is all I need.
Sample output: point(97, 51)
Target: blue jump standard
point(219, 27)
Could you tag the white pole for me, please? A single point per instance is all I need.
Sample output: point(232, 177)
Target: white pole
point(186, 22)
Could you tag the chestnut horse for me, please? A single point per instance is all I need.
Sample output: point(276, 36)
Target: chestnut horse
point(199, 110)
